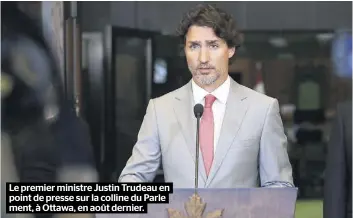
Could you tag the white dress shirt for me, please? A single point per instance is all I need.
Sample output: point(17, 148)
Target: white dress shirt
point(218, 107)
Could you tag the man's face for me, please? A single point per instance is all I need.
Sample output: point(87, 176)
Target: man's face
point(207, 56)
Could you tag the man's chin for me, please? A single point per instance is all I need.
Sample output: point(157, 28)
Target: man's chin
point(205, 79)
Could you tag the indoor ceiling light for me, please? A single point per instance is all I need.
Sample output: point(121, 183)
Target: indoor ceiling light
point(324, 37)
point(287, 56)
point(278, 42)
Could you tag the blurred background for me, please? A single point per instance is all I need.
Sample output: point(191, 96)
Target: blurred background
point(115, 56)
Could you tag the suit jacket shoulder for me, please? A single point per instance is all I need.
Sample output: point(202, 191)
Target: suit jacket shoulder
point(257, 100)
point(344, 111)
point(168, 98)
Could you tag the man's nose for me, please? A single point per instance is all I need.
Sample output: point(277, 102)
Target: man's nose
point(204, 55)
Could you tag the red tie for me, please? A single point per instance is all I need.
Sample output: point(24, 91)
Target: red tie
point(207, 133)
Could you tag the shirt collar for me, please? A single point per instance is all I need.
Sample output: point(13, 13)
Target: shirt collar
point(221, 93)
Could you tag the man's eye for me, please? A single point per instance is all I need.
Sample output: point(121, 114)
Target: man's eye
point(214, 46)
point(193, 46)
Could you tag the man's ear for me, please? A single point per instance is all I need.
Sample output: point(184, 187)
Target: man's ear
point(231, 52)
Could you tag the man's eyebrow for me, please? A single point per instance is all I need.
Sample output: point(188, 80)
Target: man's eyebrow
point(207, 41)
point(194, 42)
point(212, 41)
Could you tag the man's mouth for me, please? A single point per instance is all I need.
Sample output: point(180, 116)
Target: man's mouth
point(205, 70)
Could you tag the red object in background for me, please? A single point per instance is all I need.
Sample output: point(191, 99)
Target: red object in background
point(259, 86)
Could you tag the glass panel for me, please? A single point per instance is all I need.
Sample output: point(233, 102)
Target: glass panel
point(132, 77)
point(309, 96)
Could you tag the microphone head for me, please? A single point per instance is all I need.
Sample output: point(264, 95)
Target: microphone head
point(198, 110)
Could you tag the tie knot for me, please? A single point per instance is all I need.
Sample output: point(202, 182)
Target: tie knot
point(209, 99)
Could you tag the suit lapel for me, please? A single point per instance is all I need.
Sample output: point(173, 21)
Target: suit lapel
point(184, 110)
point(235, 111)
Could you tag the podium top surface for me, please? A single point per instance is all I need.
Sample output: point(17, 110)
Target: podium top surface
point(234, 203)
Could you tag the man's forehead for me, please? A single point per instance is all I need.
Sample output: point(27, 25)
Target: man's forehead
point(201, 34)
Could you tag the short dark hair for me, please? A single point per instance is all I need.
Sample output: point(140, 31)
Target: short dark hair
point(209, 15)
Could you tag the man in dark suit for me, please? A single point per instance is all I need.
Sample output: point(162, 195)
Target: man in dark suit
point(338, 175)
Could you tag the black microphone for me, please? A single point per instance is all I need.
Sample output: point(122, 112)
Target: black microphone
point(198, 111)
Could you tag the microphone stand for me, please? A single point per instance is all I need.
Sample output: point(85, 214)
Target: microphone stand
point(198, 111)
point(197, 155)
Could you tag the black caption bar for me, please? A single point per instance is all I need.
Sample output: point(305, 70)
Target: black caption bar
point(85, 197)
